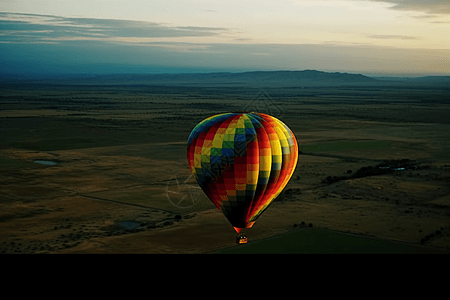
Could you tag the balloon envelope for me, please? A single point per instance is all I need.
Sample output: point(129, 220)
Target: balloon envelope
point(242, 161)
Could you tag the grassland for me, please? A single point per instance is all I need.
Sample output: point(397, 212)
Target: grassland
point(322, 241)
point(120, 153)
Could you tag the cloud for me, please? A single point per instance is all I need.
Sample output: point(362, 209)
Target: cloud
point(438, 7)
point(427, 16)
point(243, 39)
point(427, 6)
point(394, 37)
point(33, 28)
point(179, 47)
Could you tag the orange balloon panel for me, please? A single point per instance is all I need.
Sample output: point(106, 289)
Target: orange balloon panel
point(242, 161)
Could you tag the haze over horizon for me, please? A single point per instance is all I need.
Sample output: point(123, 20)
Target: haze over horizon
point(369, 37)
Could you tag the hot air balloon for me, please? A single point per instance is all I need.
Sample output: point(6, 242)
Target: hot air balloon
point(242, 161)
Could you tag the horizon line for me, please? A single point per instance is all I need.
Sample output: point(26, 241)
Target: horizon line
point(377, 74)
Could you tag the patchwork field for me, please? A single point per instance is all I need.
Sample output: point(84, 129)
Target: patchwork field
point(373, 163)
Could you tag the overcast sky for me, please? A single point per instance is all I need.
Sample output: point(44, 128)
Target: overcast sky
point(373, 37)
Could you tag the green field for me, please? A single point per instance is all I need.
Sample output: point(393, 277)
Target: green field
point(10, 163)
point(343, 146)
point(157, 198)
point(322, 241)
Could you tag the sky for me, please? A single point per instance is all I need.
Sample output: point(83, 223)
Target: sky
point(371, 37)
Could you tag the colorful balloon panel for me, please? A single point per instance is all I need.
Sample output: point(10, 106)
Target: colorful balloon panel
point(242, 161)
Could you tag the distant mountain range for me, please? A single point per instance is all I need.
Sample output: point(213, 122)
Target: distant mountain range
point(256, 78)
point(285, 78)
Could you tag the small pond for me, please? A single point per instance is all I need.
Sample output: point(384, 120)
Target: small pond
point(46, 162)
point(129, 225)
